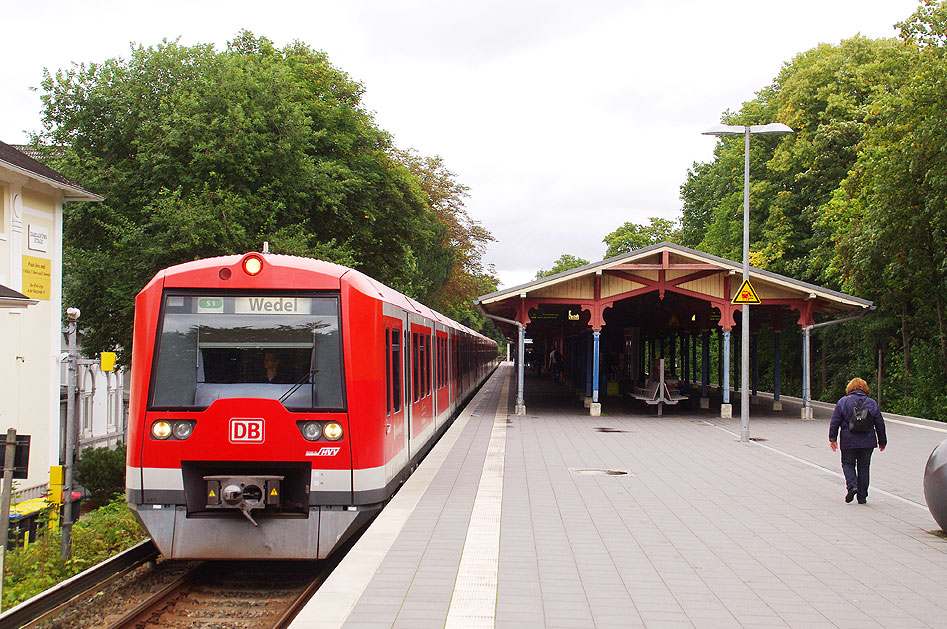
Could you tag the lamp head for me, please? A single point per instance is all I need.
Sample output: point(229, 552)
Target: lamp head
point(773, 128)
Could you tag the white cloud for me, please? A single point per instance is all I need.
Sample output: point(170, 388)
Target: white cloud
point(565, 119)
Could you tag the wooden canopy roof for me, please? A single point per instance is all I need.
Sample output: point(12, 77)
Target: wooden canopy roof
point(662, 269)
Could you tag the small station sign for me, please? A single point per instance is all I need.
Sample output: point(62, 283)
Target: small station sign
point(746, 294)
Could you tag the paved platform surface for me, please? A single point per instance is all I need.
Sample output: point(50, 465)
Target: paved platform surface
point(499, 527)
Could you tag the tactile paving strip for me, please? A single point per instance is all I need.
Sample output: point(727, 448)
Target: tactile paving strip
point(473, 603)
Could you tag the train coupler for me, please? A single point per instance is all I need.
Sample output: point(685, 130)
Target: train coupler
point(244, 493)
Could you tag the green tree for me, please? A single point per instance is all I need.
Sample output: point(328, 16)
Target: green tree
point(827, 95)
point(565, 262)
point(201, 152)
point(631, 236)
point(889, 217)
point(855, 199)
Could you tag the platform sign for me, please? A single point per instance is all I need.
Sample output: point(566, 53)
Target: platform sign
point(21, 458)
point(746, 294)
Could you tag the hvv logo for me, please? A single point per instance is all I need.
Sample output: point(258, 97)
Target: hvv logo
point(246, 430)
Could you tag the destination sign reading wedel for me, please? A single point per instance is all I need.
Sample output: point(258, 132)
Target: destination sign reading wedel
point(271, 305)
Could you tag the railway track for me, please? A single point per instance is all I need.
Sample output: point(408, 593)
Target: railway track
point(230, 594)
point(246, 594)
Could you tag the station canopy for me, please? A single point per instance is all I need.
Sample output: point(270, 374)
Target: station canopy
point(663, 285)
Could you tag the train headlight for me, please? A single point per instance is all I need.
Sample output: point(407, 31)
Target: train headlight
point(252, 265)
point(333, 431)
point(161, 429)
point(182, 430)
point(311, 430)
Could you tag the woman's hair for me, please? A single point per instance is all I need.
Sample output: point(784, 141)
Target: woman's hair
point(857, 383)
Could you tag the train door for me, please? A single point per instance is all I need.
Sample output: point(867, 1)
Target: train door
point(442, 375)
point(395, 425)
point(406, 388)
point(422, 411)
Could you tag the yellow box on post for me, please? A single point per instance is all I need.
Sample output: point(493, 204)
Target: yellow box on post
point(107, 361)
point(57, 477)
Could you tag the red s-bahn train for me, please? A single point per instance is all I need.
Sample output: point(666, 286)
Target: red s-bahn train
point(278, 402)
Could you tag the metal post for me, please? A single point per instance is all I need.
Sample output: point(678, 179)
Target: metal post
point(806, 394)
point(693, 344)
point(745, 326)
point(521, 372)
point(588, 371)
point(726, 130)
point(705, 365)
point(685, 363)
point(596, 338)
point(72, 329)
point(726, 367)
point(878, 388)
point(755, 360)
point(8, 465)
point(777, 405)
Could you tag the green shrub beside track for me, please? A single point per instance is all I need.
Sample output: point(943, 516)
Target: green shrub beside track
point(99, 535)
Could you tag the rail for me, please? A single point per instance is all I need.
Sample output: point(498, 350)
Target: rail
point(52, 601)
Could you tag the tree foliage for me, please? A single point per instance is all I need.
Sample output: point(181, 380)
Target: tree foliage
point(565, 262)
point(631, 236)
point(200, 152)
point(855, 199)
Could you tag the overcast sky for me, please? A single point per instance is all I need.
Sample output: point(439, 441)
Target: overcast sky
point(565, 119)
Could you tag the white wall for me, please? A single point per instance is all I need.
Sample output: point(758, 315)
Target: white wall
point(29, 337)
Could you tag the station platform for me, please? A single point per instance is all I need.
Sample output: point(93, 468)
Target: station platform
point(527, 521)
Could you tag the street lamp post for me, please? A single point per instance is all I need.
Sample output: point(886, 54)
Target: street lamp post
point(773, 128)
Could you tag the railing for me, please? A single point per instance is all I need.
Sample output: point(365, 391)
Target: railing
point(102, 410)
point(27, 493)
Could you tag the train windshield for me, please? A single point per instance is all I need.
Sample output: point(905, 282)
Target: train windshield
point(279, 346)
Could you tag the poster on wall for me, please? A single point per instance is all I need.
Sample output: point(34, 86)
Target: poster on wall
point(37, 274)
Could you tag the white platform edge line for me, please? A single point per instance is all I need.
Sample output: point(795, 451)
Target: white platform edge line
point(823, 469)
point(474, 599)
point(331, 606)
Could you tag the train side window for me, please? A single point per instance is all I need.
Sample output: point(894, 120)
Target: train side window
point(414, 366)
point(388, 371)
point(396, 369)
point(426, 370)
point(427, 365)
point(421, 363)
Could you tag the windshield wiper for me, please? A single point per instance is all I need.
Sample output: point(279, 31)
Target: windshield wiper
point(309, 375)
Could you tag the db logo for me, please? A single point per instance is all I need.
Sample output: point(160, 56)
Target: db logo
point(244, 430)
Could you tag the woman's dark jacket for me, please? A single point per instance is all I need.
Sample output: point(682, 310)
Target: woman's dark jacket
point(843, 411)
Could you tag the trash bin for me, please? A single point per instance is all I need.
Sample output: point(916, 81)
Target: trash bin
point(74, 510)
point(24, 521)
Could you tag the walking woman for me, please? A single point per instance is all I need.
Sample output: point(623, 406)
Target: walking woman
point(863, 429)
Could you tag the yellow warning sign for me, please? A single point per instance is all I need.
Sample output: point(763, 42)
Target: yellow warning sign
point(746, 294)
point(273, 492)
point(211, 494)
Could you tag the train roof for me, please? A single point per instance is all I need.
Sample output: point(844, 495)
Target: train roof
point(326, 269)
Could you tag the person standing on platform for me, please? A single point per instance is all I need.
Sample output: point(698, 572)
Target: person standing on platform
point(862, 427)
point(555, 363)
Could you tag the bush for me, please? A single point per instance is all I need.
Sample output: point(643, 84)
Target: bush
point(99, 535)
point(102, 472)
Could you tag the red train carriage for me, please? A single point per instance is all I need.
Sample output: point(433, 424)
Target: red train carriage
point(277, 402)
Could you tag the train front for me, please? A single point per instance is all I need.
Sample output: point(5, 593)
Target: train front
point(238, 435)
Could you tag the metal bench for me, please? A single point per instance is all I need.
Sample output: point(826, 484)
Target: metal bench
point(657, 392)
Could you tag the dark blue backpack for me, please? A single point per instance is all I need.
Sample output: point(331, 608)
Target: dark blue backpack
point(859, 420)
